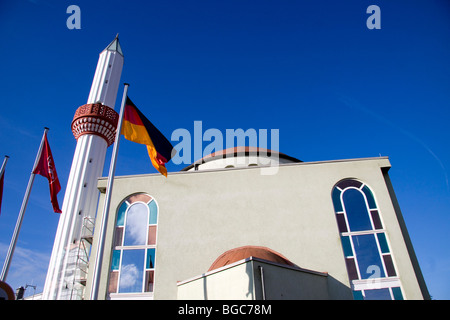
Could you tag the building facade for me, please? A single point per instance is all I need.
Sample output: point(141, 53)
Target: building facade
point(335, 225)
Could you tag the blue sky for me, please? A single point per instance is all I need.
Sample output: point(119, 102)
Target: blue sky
point(312, 69)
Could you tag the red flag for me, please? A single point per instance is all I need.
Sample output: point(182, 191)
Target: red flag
point(46, 168)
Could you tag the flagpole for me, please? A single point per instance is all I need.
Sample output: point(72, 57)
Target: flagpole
point(104, 216)
point(12, 245)
point(2, 170)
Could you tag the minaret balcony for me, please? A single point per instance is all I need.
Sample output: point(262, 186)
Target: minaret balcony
point(97, 119)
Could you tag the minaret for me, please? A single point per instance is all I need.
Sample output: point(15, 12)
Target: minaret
point(94, 126)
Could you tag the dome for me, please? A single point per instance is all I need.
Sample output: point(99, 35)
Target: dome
point(245, 252)
point(240, 157)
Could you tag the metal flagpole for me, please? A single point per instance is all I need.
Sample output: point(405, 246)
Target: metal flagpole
point(104, 217)
point(12, 245)
point(2, 170)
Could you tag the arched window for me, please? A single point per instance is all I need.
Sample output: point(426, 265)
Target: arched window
point(134, 248)
point(365, 245)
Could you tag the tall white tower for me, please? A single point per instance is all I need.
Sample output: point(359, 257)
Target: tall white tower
point(94, 126)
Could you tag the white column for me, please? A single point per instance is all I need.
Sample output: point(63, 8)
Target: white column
point(81, 195)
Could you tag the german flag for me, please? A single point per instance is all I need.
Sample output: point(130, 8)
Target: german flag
point(137, 128)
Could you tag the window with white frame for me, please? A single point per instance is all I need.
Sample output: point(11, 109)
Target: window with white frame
point(368, 257)
point(134, 248)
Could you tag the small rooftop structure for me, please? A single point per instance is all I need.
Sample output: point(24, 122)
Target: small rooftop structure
point(255, 273)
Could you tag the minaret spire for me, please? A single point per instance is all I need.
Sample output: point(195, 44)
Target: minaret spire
point(115, 46)
point(94, 126)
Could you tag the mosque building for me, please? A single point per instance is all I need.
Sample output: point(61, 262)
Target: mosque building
point(220, 229)
point(240, 223)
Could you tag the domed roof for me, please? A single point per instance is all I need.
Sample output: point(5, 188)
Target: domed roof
point(246, 151)
point(239, 152)
point(245, 252)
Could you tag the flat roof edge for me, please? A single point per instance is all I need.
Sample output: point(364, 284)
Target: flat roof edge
point(242, 261)
point(102, 179)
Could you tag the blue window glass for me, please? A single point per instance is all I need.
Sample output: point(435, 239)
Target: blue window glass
point(397, 292)
point(357, 295)
point(121, 214)
point(150, 259)
point(133, 257)
point(132, 271)
point(136, 225)
point(370, 198)
point(367, 256)
point(356, 209)
point(115, 260)
point(364, 242)
point(377, 294)
point(383, 242)
point(153, 212)
point(346, 245)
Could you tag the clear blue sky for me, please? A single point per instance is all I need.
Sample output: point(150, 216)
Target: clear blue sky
point(312, 69)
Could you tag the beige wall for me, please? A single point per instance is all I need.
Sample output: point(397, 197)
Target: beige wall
point(205, 213)
point(234, 283)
